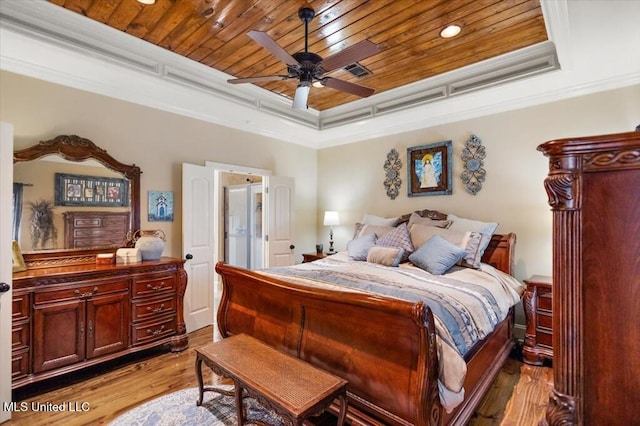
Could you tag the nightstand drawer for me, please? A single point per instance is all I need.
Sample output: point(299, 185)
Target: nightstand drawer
point(545, 321)
point(544, 301)
point(544, 339)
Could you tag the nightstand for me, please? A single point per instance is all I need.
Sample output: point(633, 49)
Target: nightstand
point(310, 257)
point(537, 303)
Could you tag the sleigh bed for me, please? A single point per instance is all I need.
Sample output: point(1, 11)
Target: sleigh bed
point(384, 346)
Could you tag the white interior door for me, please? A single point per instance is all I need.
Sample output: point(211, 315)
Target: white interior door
point(198, 242)
point(279, 215)
point(6, 213)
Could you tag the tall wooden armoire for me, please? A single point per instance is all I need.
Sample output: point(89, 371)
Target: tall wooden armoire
point(594, 192)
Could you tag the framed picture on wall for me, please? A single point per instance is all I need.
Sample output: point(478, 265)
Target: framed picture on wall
point(160, 206)
point(430, 169)
point(81, 190)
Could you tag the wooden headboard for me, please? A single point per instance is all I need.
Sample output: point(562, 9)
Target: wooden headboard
point(500, 252)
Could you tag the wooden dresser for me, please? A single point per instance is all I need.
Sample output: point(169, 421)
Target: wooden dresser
point(594, 192)
point(84, 229)
point(537, 302)
point(69, 317)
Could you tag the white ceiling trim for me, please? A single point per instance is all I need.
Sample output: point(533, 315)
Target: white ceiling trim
point(50, 43)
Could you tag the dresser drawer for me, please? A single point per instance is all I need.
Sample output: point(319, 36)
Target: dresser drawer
point(20, 306)
point(20, 334)
point(152, 330)
point(19, 364)
point(145, 309)
point(153, 285)
point(81, 291)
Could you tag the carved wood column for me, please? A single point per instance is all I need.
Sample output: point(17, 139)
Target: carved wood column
point(563, 189)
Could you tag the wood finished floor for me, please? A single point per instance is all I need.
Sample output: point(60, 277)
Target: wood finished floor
point(115, 388)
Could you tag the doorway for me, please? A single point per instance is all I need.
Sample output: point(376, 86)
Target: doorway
point(243, 220)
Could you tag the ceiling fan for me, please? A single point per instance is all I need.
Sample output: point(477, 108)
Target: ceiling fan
point(309, 67)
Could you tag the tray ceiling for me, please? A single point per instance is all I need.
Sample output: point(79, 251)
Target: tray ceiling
point(213, 33)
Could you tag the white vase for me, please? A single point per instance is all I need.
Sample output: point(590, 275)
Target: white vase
point(150, 243)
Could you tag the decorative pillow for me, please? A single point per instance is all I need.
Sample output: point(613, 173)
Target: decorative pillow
point(486, 228)
point(420, 234)
point(462, 224)
point(416, 218)
point(474, 244)
point(437, 255)
point(399, 238)
point(359, 248)
point(387, 256)
point(370, 219)
point(379, 230)
point(431, 214)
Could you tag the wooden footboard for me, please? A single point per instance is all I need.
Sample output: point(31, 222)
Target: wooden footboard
point(380, 345)
point(385, 348)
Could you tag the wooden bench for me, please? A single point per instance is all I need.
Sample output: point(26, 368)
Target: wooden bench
point(287, 385)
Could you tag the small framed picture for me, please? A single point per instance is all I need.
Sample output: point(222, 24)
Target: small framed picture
point(160, 206)
point(430, 169)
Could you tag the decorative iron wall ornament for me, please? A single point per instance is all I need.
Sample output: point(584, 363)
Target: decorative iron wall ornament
point(474, 173)
point(392, 179)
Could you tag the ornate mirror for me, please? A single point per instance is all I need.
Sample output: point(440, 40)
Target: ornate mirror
point(77, 201)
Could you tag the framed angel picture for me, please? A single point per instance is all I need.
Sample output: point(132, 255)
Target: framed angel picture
point(430, 169)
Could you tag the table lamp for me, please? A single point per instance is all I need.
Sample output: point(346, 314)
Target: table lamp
point(331, 219)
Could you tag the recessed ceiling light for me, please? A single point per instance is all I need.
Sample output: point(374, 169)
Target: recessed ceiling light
point(450, 31)
point(147, 1)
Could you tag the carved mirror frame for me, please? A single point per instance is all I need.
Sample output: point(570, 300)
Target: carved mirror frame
point(76, 148)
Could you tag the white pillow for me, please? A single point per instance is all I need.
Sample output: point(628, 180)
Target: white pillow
point(464, 225)
point(370, 219)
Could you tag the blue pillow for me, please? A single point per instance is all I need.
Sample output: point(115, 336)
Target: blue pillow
point(437, 255)
point(359, 248)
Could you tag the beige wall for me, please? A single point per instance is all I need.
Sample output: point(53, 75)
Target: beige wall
point(351, 176)
point(158, 142)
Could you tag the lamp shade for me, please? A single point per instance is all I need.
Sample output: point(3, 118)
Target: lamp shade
point(331, 218)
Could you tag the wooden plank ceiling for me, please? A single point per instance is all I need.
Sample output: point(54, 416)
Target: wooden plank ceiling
point(213, 32)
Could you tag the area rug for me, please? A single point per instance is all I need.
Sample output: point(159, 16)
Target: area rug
point(179, 408)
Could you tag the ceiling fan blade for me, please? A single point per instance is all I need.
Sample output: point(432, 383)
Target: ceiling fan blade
point(268, 43)
point(345, 86)
point(348, 56)
point(258, 79)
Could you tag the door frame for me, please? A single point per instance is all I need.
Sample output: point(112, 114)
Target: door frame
point(218, 197)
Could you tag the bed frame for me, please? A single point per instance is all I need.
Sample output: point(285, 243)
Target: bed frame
point(385, 348)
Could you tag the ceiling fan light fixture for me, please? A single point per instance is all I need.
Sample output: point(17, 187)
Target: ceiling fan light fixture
point(149, 2)
point(450, 31)
point(302, 96)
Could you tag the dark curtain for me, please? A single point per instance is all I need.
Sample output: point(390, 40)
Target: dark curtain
point(17, 208)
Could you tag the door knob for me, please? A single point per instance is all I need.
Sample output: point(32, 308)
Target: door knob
point(189, 256)
point(292, 246)
point(4, 287)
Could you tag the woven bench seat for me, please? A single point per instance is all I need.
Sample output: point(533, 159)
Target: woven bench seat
point(287, 385)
